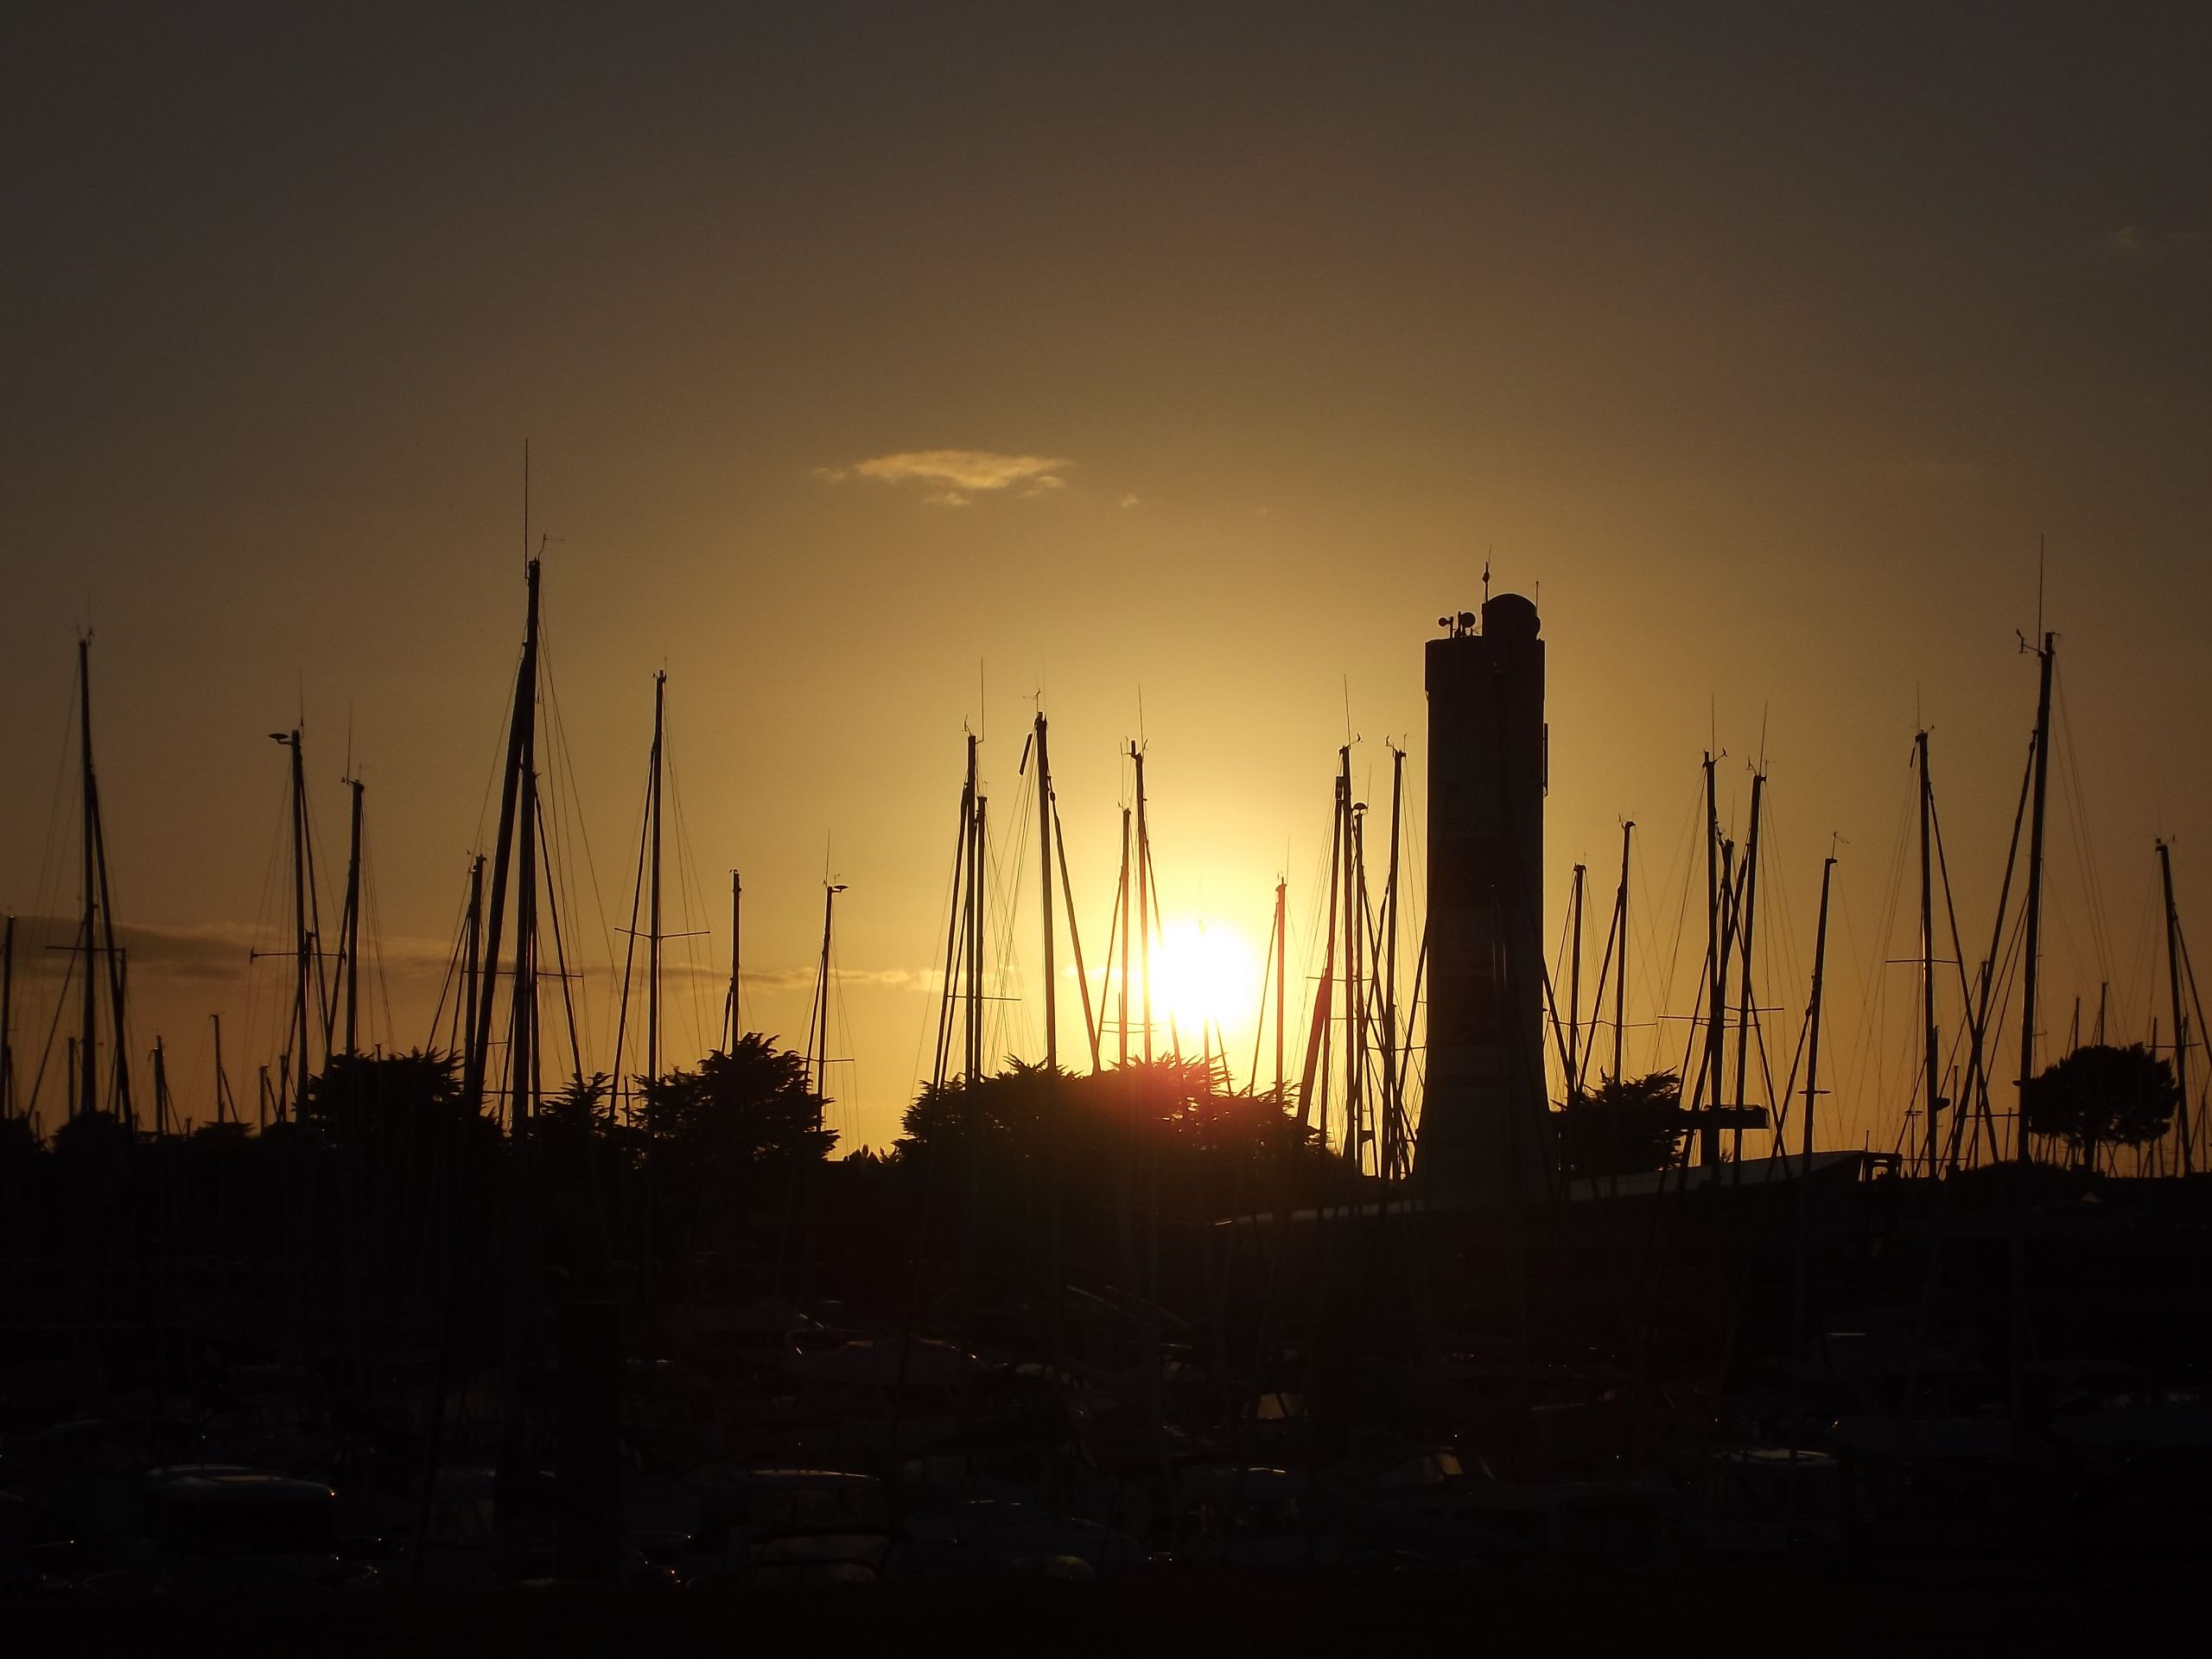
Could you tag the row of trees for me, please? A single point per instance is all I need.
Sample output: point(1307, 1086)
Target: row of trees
point(754, 1106)
point(2096, 1097)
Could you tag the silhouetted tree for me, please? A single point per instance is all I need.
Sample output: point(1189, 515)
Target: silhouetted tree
point(1625, 1126)
point(2102, 1094)
point(751, 1105)
point(91, 1134)
point(357, 1098)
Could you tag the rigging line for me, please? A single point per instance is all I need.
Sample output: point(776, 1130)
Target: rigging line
point(1662, 986)
point(690, 900)
point(61, 1007)
point(1867, 1053)
point(372, 901)
point(956, 931)
point(1007, 907)
point(567, 763)
point(453, 969)
point(560, 958)
point(2085, 851)
point(568, 827)
point(1093, 1030)
point(622, 1089)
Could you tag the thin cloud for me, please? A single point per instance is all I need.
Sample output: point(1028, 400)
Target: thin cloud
point(2136, 242)
point(953, 478)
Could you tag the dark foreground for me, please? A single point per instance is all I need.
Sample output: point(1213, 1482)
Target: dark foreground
point(1701, 1607)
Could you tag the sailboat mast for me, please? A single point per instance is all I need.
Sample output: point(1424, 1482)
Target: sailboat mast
point(1394, 1135)
point(523, 1043)
point(1282, 966)
point(652, 945)
point(87, 1066)
point(2174, 976)
point(818, 1039)
point(975, 942)
point(1316, 1068)
point(1931, 1059)
point(473, 949)
point(1357, 1130)
point(353, 919)
point(1575, 981)
point(736, 937)
point(1708, 1133)
point(1750, 915)
point(1143, 896)
point(161, 1092)
point(1812, 1016)
point(224, 1112)
point(1045, 869)
point(479, 1041)
point(971, 928)
point(1123, 897)
point(2032, 945)
point(303, 942)
point(1620, 958)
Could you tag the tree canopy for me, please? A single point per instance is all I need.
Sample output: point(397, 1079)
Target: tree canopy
point(1625, 1126)
point(2101, 1095)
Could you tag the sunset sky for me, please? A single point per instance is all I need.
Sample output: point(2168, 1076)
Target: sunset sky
point(888, 370)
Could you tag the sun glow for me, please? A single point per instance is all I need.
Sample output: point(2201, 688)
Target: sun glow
point(1206, 976)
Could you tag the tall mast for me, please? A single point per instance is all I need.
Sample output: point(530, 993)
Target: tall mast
point(352, 935)
point(1574, 979)
point(522, 1080)
point(1123, 920)
point(1716, 1027)
point(524, 715)
point(1805, 1172)
point(161, 1091)
point(736, 937)
point(1812, 1016)
point(1620, 958)
point(1316, 1070)
point(2175, 974)
point(1044, 868)
point(472, 948)
point(956, 926)
point(1931, 1059)
point(1144, 900)
point(87, 1066)
point(652, 946)
point(225, 1109)
point(971, 1037)
point(1355, 1003)
point(2021, 1152)
point(1394, 1124)
point(977, 920)
point(1744, 926)
point(303, 941)
point(1282, 963)
point(820, 1037)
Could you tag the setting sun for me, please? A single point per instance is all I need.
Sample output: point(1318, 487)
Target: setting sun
point(1209, 975)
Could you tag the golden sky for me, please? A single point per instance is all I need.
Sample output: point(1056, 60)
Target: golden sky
point(888, 369)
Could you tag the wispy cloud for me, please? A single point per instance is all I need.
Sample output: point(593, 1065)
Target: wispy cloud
point(953, 478)
point(2141, 242)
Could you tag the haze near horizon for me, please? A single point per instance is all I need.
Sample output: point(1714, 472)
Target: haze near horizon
point(890, 373)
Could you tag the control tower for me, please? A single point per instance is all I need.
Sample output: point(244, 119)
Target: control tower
point(1485, 1136)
